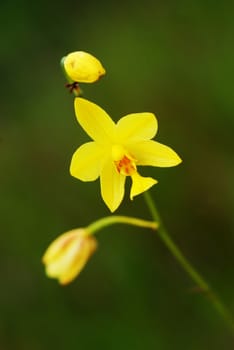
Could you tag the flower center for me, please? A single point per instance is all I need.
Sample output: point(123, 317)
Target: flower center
point(125, 166)
point(124, 162)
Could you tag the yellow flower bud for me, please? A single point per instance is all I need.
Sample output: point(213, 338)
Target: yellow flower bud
point(82, 67)
point(67, 255)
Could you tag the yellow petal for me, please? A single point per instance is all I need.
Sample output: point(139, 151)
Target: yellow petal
point(82, 67)
point(112, 186)
point(140, 184)
point(78, 259)
point(154, 153)
point(95, 121)
point(137, 127)
point(61, 265)
point(86, 162)
point(67, 255)
point(54, 249)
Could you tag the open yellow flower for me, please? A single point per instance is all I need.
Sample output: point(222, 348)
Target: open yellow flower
point(68, 254)
point(117, 150)
point(83, 67)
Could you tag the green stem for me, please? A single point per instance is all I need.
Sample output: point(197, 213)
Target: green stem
point(118, 219)
point(186, 265)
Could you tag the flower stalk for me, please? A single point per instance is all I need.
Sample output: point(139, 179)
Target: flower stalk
point(67, 255)
point(118, 219)
point(187, 266)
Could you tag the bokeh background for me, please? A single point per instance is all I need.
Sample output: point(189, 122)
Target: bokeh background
point(173, 58)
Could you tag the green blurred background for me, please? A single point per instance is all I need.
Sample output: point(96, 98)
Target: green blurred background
point(173, 58)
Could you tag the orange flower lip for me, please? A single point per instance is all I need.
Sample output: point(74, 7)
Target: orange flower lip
point(125, 166)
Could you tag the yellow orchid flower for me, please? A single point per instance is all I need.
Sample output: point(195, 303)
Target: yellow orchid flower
point(83, 67)
point(67, 255)
point(117, 150)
